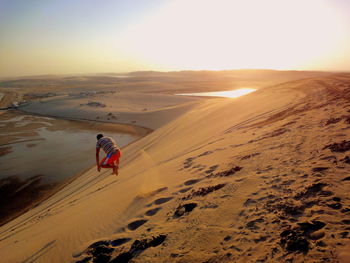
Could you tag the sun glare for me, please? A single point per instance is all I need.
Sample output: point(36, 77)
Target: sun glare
point(227, 94)
point(227, 34)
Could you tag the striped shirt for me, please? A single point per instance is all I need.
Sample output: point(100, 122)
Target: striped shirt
point(108, 145)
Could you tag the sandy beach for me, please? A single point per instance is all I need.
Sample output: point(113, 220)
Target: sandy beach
point(259, 178)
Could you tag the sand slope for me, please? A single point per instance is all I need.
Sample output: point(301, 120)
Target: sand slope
point(263, 178)
point(147, 110)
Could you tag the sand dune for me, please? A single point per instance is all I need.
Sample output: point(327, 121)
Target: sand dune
point(147, 110)
point(262, 178)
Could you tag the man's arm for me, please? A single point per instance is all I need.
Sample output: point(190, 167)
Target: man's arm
point(98, 159)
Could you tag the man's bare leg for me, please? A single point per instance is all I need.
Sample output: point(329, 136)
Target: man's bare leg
point(115, 168)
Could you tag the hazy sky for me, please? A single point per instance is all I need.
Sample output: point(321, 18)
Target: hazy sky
point(87, 36)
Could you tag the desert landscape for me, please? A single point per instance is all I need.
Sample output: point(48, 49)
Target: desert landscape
point(175, 131)
point(259, 178)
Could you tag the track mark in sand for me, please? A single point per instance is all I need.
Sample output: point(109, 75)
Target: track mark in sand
point(136, 224)
point(286, 208)
point(211, 169)
point(209, 206)
point(227, 172)
point(312, 191)
point(338, 146)
point(266, 169)
point(274, 133)
point(153, 211)
point(288, 123)
point(40, 252)
point(197, 168)
point(184, 209)
point(297, 239)
point(203, 191)
point(287, 182)
point(249, 156)
point(319, 169)
point(345, 210)
point(191, 182)
point(99, 251)
point(334, 203)
point(205, 153)
point(252, 224)
point(344, 234)
point(188, 162)
point(151, 193)
point(162, 200)
point(85, 260)
point(249, 202)
point(346, 159)
point(331, 121)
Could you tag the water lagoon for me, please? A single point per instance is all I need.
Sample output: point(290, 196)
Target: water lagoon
point(56, 149)
point(39, 155)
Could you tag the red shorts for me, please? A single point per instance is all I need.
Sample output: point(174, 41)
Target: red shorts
point(110, 159)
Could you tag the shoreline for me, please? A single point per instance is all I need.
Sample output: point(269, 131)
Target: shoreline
point(53, 189)
point(143, 131)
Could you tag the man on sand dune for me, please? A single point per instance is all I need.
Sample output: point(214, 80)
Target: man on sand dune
point(113, 153)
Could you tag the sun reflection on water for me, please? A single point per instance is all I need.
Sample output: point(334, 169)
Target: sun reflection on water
point(228, 94)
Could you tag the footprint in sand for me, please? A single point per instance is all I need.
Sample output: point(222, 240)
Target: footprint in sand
point(153, 211)
point(136, 224)
point(319, 169)
point(119, 241)
point(99, 251)
point(249, 201)
point(191, 182)
point(162, 200)
point(211, 169)
point(203, 191)
point(184, 209)
point(184, 190)
point(251, 225)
